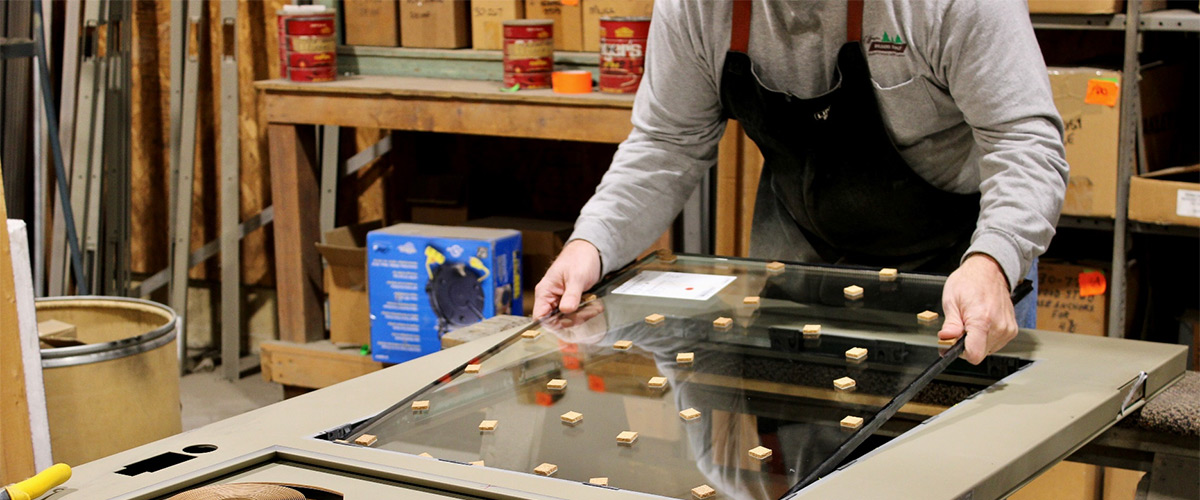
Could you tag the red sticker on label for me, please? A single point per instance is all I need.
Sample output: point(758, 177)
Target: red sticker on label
point(1092, 283)
point(1103, 92)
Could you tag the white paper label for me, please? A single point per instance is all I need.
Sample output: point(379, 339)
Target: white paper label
point(1187, 203)
point(672, 285)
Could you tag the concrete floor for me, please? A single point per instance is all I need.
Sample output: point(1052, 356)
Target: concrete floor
point(208, 398)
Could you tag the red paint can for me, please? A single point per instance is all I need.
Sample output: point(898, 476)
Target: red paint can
point(307, 41)
point(528, 53)
point(318, 74)
point(622, 53)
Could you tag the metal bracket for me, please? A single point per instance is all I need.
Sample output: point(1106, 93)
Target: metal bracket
point(1135, 391)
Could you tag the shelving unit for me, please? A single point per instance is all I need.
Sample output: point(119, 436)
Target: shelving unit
point(1121, 227)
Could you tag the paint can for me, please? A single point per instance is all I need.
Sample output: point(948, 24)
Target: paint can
point(307, 41)
point(622, 53)
point(528, 53)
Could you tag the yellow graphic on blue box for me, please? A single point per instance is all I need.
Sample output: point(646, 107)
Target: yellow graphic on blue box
point(424, 281)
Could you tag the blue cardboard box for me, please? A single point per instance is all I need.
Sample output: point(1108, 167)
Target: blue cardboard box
point(424, 281)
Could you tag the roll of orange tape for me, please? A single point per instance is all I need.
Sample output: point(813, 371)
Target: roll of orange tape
point(572, 82)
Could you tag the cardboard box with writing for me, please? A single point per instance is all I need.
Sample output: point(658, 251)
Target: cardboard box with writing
point(1086, 98)
point(568, 21)
point(487, 21)
point(1089, 6)
point(594, 10)
point(345, 253)
point(436, 24)
point(372, 22)
point(1073, 297)
point(1170, 196)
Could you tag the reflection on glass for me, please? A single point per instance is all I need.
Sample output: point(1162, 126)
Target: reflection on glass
point(758, 382)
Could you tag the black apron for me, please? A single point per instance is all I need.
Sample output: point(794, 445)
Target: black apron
point(832, 169)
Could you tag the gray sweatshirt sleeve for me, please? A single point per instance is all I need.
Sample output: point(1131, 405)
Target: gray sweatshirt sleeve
point(676, 127)
point(993, 68)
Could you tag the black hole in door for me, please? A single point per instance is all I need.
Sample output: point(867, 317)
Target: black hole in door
point(200, 448)
point(155, 463)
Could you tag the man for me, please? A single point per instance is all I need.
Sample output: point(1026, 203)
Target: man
point(920, 135)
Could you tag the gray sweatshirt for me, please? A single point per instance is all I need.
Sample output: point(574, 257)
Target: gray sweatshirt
point(968, 105)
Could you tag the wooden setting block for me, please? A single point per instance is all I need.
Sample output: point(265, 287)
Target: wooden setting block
point(812, 331)
point(666, 256)
point(473, 368)
point(477, 463)
point(655, 319)
point(852, 422)
point(422, 405)
point(657, 382)
point(689, 414)
point(546, 469)
point(947, 342)
point(684, 358)
point(488, 425)
point(888, 274)
point(342, 441)
point(844, 384)
point(426, 455)
point(775, 267)
point(627, 437)
point(599, 481)
point(703, 491)
point(622, 345)
point(722, 322)
point(531, 334)
point(588, 298)
point(927, 317)
point(557, 384)
point(760, 452)
point(366, 440)
point(856, 353)
point(752, 300)
point(571, 417)
point(853, 292)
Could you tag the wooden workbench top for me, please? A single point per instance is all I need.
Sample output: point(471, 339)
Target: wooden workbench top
point(439, 88)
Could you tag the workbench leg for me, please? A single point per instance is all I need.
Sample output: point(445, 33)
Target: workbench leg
point(294, 193)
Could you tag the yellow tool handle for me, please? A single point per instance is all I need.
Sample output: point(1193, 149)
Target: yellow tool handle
point(38, 485)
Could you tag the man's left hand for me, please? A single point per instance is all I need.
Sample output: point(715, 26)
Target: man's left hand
point(976, 299)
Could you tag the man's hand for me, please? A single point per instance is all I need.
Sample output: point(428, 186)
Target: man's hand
point(976, 299)
point(576, 269)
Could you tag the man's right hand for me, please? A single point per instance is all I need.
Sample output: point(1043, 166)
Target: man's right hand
point(576, 269)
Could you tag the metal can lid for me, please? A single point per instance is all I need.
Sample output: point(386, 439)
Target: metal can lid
point(625, 19)
point(529, 22)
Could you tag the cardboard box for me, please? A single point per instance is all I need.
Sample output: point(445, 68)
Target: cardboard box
point(424, 281)
point(487, 21)
point(1089, 6)
point(1062, 305)
point(372, 22)
point(1090, 135)
point(437, 24)
point(345, 253)
point(594, 10)
point(541, 242)
point(1170, 196)
point(568, 21)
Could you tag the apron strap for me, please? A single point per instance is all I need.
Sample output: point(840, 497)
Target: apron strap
point(739, 34)
point(854, 15)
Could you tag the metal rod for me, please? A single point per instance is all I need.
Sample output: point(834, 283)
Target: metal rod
point(68, 215)
point(1126, 147)
point(231, 276)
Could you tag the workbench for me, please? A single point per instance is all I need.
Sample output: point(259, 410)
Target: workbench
point(446, 106)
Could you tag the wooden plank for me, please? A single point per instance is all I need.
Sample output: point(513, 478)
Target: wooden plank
point(149, 231)
point(440, 88)
point(726, 220)
point(294, 189)
point(313, 365)
point(16, 448)
point(752, 165)
point(504, 119)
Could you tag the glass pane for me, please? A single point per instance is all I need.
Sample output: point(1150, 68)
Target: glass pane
point(758, 382)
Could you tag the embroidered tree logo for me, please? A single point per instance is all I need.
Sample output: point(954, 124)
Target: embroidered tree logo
point(887, 45)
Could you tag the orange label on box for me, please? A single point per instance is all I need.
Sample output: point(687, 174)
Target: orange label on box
point(1092, 283)
point(1103, 92)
